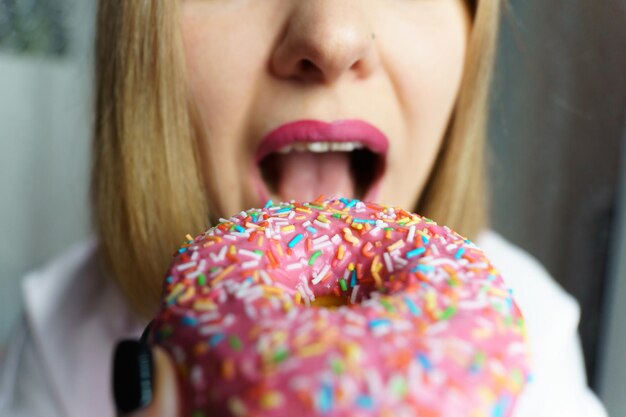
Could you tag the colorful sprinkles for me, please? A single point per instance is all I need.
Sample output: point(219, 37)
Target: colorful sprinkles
point(340, 307)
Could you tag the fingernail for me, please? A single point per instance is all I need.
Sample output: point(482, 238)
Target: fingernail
point(132, 376)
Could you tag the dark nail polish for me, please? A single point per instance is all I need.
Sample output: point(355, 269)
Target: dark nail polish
point(132, 376)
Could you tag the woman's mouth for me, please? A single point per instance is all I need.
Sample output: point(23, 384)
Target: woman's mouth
point(308, 158)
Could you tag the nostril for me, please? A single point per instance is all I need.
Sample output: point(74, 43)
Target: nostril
point(308, 71)
point(307, 65)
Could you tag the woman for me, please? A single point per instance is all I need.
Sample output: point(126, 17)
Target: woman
point(186, 92)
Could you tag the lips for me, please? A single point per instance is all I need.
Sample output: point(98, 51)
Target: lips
point(306, 158)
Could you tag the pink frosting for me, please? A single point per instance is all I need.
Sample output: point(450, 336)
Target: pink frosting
point(426, 327)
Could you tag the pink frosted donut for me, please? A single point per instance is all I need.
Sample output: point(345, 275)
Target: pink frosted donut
point(340, 308)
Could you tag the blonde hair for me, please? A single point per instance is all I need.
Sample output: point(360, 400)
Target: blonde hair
point(147, 192)
point(456, 193)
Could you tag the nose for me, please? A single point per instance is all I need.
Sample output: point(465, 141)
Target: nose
point(325, 40)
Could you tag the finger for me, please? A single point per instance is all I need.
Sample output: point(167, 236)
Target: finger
point(165, 399)
point(144, 381)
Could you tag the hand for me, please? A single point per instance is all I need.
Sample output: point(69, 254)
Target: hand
point(144, 381)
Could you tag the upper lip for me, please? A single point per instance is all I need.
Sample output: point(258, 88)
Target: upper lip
point(319, 131)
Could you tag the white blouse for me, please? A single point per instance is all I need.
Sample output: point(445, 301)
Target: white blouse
point(58, 362)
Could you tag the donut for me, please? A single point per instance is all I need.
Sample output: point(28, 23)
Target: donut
point(339, 307)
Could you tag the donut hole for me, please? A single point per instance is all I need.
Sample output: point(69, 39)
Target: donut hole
point(330, 301)
point(334, 299)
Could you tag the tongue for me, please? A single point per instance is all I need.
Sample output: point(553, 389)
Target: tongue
point(306, 175)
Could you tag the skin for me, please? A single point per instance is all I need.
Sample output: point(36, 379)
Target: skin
point(254, 65)
point(282, 60)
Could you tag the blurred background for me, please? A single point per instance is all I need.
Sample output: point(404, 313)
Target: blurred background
point(558, 135)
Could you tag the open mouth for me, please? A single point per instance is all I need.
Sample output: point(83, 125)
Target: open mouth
point(305, 159)
point(305, 170)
